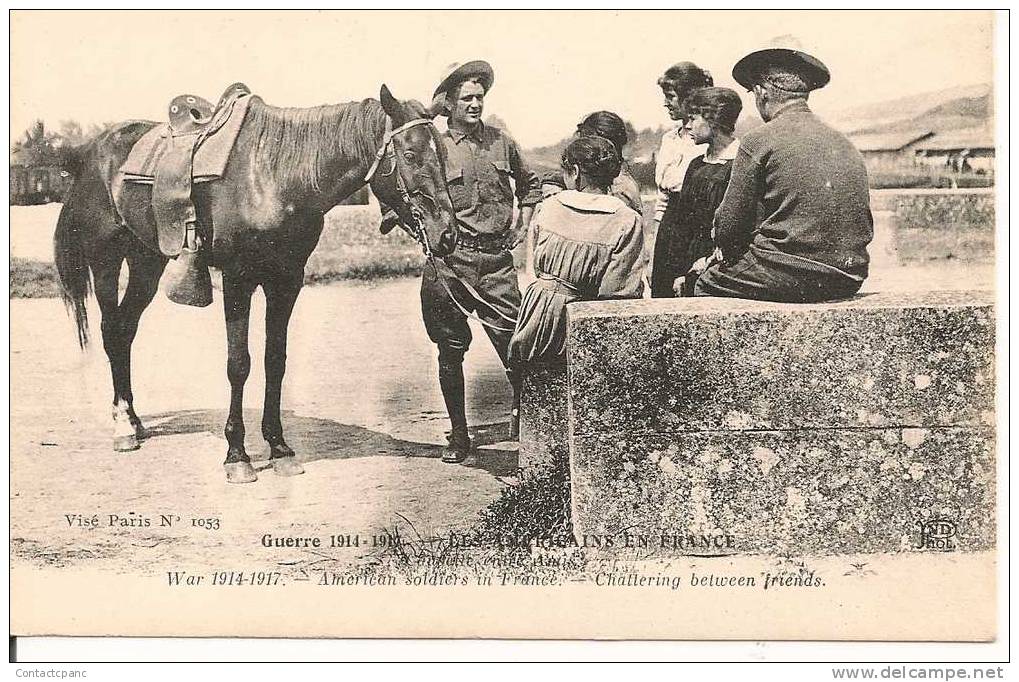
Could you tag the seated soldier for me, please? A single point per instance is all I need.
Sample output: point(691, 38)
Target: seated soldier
point(795, 220)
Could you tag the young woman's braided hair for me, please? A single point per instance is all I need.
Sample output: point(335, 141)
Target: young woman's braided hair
point(596, 157)
point(720, 107)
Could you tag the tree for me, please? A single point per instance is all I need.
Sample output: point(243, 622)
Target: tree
point(71, 132)
point(36, 147)
point(96, 128)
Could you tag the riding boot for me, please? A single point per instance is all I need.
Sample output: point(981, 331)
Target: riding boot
point(451, 381)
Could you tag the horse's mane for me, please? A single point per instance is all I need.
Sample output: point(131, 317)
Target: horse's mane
point(295, 144)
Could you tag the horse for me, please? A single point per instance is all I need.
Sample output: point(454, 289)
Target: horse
point(263, 218)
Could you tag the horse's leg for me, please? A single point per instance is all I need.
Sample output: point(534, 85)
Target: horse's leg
point(237, 292)
point(106, 275)
point(280, 296)
point(145, 267)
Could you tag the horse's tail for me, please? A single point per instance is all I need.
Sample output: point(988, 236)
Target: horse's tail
point(71, 259)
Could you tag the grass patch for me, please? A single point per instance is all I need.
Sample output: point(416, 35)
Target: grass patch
point(536, 509)
point(351, 247)
point(524, 537)
point(33, 279)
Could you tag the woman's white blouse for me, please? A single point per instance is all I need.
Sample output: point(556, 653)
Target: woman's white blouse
point(674, 155)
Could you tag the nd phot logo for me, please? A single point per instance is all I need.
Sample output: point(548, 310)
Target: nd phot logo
point(938, 535)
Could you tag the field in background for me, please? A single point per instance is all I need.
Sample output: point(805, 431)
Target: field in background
point(351, 247)
point(934, 229)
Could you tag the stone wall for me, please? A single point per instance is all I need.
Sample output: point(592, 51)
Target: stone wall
point(791, 429)
point(544, 438)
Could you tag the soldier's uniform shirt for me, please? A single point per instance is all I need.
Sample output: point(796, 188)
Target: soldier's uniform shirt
point(479, 167)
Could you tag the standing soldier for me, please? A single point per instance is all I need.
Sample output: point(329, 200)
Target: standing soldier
point(479, 278)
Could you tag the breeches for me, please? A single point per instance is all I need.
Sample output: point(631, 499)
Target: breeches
point(490, 275)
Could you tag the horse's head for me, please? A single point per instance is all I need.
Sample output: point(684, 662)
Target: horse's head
point(415, 186)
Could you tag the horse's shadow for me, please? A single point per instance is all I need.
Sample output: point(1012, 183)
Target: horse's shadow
point(314, 438)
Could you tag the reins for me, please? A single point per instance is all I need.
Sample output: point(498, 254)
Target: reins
point(470, 290)
point(419, 232)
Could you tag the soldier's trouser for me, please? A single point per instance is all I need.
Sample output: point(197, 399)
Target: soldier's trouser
point(495, 279)
point(775, 280)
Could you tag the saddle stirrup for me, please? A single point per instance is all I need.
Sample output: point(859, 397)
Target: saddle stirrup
point(190, 284)
point(192, 242)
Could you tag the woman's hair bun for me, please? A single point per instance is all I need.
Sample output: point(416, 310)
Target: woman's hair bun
point(596, 157)
point(605, 124)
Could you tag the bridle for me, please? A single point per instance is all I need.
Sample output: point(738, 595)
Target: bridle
point(388, 149)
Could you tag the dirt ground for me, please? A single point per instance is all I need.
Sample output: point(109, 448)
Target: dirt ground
point(362, 409)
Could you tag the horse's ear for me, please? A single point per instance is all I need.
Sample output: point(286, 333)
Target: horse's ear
point(391, 105)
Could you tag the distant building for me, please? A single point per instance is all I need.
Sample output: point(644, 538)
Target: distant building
point(36, 182)
point(889, 150)
point(968, 150)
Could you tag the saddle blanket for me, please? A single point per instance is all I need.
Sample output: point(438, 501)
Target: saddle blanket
point(210, 158)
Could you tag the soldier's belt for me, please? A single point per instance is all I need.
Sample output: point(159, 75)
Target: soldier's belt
point(491, 244)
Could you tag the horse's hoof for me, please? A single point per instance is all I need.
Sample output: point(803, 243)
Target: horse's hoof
point(140, 432)
point(287, 466)
point(125, 443)
point(240, 472)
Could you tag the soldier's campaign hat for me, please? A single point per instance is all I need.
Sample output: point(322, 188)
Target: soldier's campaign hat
point(458, 73)
point(812, 70)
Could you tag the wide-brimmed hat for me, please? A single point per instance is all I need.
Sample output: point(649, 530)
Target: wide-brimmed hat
point(458, 73)
point(748, 70)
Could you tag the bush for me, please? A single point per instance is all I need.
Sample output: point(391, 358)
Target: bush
point(946, 211)
point(351, 247)
point(901, 180)
point(916, 180)
point(33, 279)
point(644, 174)
point(973, 181)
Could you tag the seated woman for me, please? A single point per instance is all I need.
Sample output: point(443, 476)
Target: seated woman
point(683, 252)
point(588, 245)
point(611, 127)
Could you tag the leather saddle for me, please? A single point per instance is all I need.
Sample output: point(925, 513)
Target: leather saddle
point(193, 146)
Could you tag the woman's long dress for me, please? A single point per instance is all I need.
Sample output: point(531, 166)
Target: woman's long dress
point(684, 235)
point(587, 247)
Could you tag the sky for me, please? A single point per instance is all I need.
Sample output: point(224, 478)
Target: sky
point(552, 68)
